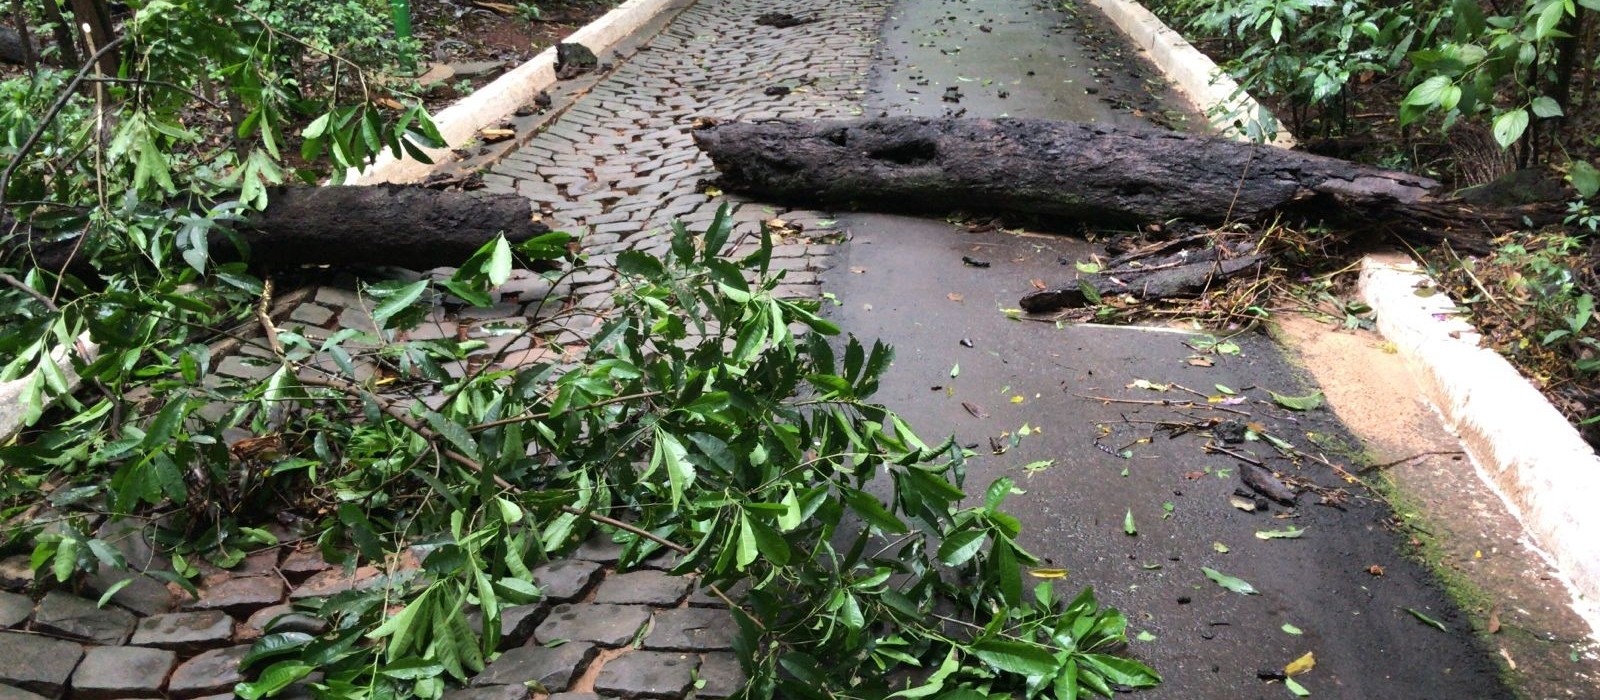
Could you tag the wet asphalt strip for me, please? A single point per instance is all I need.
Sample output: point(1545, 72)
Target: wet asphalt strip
point(1346, 584)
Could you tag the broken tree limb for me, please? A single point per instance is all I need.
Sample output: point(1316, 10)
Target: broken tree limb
point(1087, 172)
point(403, 226)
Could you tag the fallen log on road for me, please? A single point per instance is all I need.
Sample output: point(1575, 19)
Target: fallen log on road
point(1093, 173)
point(397, 225)
point(1088, 172)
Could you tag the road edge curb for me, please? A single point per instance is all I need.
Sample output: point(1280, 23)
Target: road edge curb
point(1522, 448)
point(1229, 108)
point(461, 121)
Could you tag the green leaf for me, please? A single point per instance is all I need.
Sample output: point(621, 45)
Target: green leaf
point(1424, 619)
point(870, 509)
point(1508, 127)
point(1298, 403)
point(112, 590)
point(1295, 687)
point(1289, 533)
point(1127, 524)
point(1545, 107)
point(1549, 19)
point(1237, 585)
point(1291, 629)
point(670, 452)
point(274, 679)
point(961, 546)
point(400, 300)
point(1021, 658)
point(499, 268)
point(1585, 178)
point(1120, 671)
point(1428, 92)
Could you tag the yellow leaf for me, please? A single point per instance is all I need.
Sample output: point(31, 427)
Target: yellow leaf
point(713, 192)
point(1017, 399)
point(1301, 665)
point(1048, 573)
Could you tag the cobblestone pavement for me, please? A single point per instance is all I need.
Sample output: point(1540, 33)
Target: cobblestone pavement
point(618, 167)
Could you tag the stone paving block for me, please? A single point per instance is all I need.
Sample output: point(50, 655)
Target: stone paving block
point(142, 594)
point(646, 587)
point(560, 696)
point(240, 595)
point(553, 668)
point(79, 618)
point(188, 632)
point(600, 549)
point(565, 580)
point(283, 618)
point(335, 581)
point(15, 572)
point(301, 563)
point(313, 314)
point(606, 625)
point(15, 609)
point(723, 676)
point(241, 367)
point(10, 693)
point(122, 672)
point(37, 664)
point(493, 692)
point(692, 629)
point(215, 671)
point(648, 674)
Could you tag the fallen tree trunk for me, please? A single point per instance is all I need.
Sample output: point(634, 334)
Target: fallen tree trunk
point(397, 225)
point(1087, 172)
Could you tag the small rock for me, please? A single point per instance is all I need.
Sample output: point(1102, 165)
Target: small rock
point(37, 664)
point(14, 609)
point(215, 671)
point(648, 674)
point(551, 667)
point(122, 672)
point(188, 632)
point(141, 594)
point(70, 616)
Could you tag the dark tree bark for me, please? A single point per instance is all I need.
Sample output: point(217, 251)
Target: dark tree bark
point(1085, 172)
point(396, 225)
point(97, 15)
point(63, 32)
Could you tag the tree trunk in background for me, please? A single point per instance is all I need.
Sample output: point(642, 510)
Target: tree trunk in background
point(63, 32)
point(96, 15)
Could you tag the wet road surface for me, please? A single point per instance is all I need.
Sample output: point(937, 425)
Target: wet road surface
point(1346, 584)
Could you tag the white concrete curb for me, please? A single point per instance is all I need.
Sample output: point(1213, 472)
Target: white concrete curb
point(1525, 448)
point(1233, 112)
point(459, 123)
